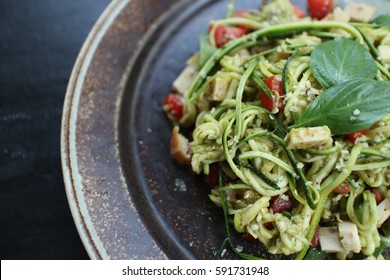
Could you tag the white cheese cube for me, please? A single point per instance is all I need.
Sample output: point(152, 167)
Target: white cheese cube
point(308, 137)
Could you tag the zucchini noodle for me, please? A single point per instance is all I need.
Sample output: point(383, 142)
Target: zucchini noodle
point(252, 144)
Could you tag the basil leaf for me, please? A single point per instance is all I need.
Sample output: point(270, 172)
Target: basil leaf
point(382, 247)
point(341, 60)
point(348, 107)
point(316, 254)
point(205, 49)
point(383, 20)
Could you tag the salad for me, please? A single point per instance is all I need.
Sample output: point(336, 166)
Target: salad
point(285, 112)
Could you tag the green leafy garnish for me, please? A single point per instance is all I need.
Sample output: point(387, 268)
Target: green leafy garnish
point(316, 254)
point(352, 99)
point(205, 49)
point(341, 60)
point(383, 20)
point(348, 107)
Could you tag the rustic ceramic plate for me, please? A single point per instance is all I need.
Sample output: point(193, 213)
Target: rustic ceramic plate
point(129, 200)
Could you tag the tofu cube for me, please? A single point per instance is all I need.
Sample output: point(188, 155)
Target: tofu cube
point(383, 211)
point(329, 240)
point(349, 237)
point(193, 61)
point(186, 77)
point(184, 80)
point(180, 147)
point(307, 137)
point(360, 12)
point(384, 51)
point(217, 89)
point(338, 14)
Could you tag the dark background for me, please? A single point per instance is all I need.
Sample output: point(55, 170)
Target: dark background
point(39, 43)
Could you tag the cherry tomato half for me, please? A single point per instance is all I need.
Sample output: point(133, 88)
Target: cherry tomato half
point(224, 34)
point(355, 135)
point(248, 236)
point(173, 105)
point(319, 8)
point(275, 85)
point(316, 238)
point(378, 196)
point(299, 13)
point(343, 188)
point(242, 13)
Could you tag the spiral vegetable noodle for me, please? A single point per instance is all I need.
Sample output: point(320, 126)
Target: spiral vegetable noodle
point(292, 114)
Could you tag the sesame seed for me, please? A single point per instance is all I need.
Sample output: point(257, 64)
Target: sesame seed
point(239, 248)
point(254, 227)
point(309, 183)
point(223, 252)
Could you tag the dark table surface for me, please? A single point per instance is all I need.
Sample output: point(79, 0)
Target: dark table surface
point(39, 43)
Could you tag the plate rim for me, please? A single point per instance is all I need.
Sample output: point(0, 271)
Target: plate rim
point(90, 239)
point(94, 243)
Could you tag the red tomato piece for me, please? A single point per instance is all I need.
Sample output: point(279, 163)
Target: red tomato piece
point(275, 85)
point(299, 13)
point(280, 205)
point(378, 196)
point(355, 135)
point(316, 238)
point(343, 188)
point(319, 8)
point(173, 105)
point(224, 34)
point(242, 13)
point(248, 236)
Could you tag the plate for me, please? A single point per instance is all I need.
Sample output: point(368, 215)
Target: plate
point(129, 200)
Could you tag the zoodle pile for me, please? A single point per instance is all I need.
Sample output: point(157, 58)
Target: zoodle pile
point(288, 120)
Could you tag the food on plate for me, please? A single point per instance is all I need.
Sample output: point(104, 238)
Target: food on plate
point(285, 112)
